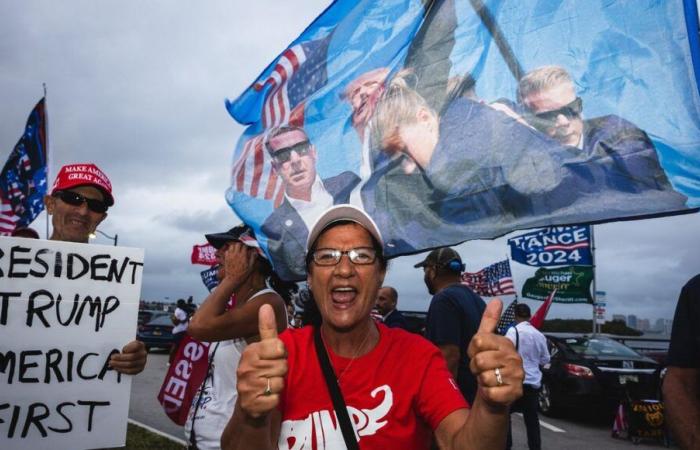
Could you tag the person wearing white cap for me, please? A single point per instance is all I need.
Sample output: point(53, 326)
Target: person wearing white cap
point(246, 274)
point(347, 382)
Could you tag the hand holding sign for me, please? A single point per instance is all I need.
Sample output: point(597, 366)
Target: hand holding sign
point(262, 368)
point(494, 361)
point(131, 360)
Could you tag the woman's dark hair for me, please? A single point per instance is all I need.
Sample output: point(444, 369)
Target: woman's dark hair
point(375, 245)
point(284, 288)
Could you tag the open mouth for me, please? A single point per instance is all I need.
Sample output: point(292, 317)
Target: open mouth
point(343, 297)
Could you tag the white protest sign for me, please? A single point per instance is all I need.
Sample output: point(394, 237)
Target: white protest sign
point(64, 308)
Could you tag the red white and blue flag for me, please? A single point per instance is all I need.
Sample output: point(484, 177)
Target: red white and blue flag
point(23, 178)
point(491, 281)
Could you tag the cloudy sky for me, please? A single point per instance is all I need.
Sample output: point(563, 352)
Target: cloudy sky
point(139, 88)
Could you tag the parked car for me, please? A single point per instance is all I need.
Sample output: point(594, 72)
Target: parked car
point(157, 333)
point(593, 371)
point(146, 315)
point(416, 321)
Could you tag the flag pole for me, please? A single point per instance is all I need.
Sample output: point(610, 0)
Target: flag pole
point(595, 325)
point(48, 166)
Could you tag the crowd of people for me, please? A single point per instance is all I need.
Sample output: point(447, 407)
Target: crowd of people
point(339, 377)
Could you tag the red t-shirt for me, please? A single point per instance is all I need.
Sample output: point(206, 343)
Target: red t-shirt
point(396, 394)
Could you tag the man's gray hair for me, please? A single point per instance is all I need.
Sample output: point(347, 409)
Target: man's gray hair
point(541, 79)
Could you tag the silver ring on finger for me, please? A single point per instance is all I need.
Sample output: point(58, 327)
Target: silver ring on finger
point(499, 378)
point(268, 389)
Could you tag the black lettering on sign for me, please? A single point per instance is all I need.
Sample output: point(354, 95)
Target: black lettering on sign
point(35, 419)
point(41, 262)
point(96, 266)
point(81, 361)
point(2, 274)
point(73, 309)
point(73, 271)
point(25, 365)
point(106, 367)
point(7, 363)
point(134, 265)
point(4, 302)
point(59, 410)
point(53, 359)
point(58, 265)
point(38, 310)
point(16, 260)
point(92, 405)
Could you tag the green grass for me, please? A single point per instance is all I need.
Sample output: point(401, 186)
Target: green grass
point(138, 438)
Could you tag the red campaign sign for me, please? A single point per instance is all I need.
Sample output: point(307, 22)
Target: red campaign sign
point(184, 377)
point(203, 254)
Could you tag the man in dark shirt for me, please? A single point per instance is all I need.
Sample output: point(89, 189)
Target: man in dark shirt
point(681, 387)
point(454, 314)
point(387, 298)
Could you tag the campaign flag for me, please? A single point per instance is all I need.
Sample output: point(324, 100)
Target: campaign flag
point(209, 278)
point(203, 254)
point(23, 178)
point(183, 378)
point(553, 246)
point(530, 117)
point(572, 284)
point(491, 281)
point(298, 72)
point(537, 319)
point(507, 318)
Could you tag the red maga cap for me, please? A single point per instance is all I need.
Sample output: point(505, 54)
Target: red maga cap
point(73, 175)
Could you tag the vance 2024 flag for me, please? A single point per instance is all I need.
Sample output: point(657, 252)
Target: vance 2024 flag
point(448, 121)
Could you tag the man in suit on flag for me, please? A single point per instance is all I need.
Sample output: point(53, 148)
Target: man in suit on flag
point(305, 197)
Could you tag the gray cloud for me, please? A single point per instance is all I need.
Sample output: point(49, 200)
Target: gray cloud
point(139, 88)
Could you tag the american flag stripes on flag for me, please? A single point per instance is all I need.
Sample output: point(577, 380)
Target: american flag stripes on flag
point(299, 72)
point(507, 318)
point(490, 281)
point(23, 178)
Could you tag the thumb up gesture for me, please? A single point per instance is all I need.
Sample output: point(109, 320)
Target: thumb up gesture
point(262, 368)
point(494, 361)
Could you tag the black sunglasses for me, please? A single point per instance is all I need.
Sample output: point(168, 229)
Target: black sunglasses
point(75, 199)
point(570, 111)
point(284, 154)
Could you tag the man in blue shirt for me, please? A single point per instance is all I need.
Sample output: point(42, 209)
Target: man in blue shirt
point(454, 314)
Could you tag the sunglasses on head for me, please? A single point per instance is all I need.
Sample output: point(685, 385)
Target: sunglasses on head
point(284, 154)
point(75, 199)
point(571, 111)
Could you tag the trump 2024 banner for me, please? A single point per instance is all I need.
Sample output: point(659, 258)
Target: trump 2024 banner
point(65, 308)
point(553, 246)
point(573, 284)
point(448, 121)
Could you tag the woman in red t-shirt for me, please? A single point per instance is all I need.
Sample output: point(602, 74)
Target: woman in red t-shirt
point(395, 385)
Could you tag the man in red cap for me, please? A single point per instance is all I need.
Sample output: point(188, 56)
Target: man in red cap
point(77, 204)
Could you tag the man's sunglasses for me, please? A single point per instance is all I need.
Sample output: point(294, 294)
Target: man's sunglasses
point(284, 154)
point(548, 118)
point(75, 199)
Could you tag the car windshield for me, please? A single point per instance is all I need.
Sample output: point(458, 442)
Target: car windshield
point(599, 347)
point(161, 320)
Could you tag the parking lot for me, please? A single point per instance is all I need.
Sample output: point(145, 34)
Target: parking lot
point(571, 431)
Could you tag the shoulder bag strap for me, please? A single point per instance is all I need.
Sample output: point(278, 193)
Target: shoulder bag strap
point(338, 402)
point(193, 436)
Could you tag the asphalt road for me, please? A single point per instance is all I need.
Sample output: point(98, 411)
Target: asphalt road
point(571, 432)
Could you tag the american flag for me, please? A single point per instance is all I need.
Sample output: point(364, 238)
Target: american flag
point(507, 318)
point(490, 281)
point(299, 72)
point(23, 178)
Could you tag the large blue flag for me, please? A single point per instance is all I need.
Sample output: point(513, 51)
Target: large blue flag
point(448, 121)
point(23, 178)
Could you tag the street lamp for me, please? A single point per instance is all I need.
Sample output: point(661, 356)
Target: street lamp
point(114, 238)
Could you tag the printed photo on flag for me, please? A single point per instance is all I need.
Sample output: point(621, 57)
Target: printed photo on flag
point(445, 126)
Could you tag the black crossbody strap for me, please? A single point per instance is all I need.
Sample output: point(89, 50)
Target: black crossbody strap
point(341, 410)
